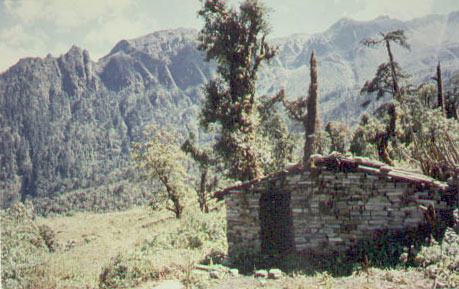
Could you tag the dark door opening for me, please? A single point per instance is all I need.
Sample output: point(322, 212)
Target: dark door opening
point(276, 222)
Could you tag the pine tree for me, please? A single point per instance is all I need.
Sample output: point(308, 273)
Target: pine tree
point(380, 83)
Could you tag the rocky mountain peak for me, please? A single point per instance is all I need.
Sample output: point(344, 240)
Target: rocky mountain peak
point(168, 58)
point(77, 71)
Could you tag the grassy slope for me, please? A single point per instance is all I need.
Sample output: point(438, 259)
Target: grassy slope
point(144, 240)
point(98, 237)
point(155, 247)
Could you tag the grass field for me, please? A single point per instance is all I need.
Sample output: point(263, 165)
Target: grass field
point(141, 248)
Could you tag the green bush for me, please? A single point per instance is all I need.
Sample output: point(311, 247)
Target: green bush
point(47, 234)
point(195, 230)
point(440, 261)
point(194, 235)
point(23, 248)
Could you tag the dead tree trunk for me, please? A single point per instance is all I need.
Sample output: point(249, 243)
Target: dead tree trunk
point(311, 119)
point(441, 100)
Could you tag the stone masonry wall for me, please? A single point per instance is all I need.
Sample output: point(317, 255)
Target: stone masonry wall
point(333, 207)
point(243, 225)
point(336, 210)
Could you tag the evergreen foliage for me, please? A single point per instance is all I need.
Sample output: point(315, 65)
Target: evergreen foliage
point(410, 127)
point(452, 96)
point(411, 132)
point(440, 97)
point(23, 248)
point(273, 127)
point(383, 82)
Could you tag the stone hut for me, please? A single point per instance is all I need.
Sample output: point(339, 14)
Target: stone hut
point(334, 205)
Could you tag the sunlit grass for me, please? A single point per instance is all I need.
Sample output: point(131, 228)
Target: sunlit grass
point(151, 240)
point(98, 237)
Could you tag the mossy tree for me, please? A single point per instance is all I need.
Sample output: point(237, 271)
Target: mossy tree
point(306, 111)
point(339, 135)
point(236, 41)
point(413, 131)
point(378, 134)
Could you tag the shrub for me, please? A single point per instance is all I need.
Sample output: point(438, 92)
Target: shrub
point(127, 271)
point(47, 234)
point(116, 274)
point(23, 248)
point(440, 261)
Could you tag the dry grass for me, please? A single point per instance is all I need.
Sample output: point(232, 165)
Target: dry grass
point(152, 243)
point(86, 242)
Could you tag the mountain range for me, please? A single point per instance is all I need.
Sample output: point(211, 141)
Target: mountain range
point(67, 123)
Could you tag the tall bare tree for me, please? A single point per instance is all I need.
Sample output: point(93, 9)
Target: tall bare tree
point(440, 97)
point(306, 111)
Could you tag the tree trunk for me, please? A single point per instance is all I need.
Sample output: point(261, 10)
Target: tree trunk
point(441, 101)
point(173, 196)
point(450, 107)
point(382, 144)
point(394, 75)
point(202, 197)
point(311, 120)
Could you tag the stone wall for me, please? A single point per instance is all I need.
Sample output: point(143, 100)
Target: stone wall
point(337, 204)
point(243, 224)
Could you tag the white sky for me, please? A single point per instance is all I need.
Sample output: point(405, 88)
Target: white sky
point(37, 27)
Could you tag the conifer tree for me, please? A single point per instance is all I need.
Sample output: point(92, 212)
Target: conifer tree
point(390, 69)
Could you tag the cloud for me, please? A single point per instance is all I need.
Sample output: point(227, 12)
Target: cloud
point(26, 11)
point(64, 14)
point(403, 10)
point(15, 43)
point(105, 35)
point(41, 26)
